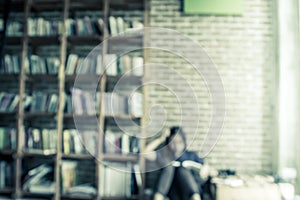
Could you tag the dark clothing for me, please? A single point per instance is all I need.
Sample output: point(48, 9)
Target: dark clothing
point(179, 183)
point(189, 155)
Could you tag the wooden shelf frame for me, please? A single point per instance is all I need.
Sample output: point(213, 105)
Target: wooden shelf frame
point(63, 41)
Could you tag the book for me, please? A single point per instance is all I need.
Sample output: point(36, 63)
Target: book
point(116, 179)
point(118, 142)
point(136, 104)
point(71, 64)
point(38, 178)
point(5, 174)
point(40, 140)
point(68, 172)
point(113, 30)
point(110, 64)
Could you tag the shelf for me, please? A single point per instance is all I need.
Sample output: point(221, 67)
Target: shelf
point(85, 40)
point(42, 77)
point(7, 152)
point(9, 77)
point(126, 5)
point(78, 196)
point(125, 43)
point(121, 198)
point(92, 5)
point(6, 190)
point(8, 115)
point(36, 195)
point(78, 156)
point(16, 6)
point(38, 153)
point(14, 40)
point(112, 81)
point(33, 115)
point(83, 78)
point(122, 117)
point(120, 158)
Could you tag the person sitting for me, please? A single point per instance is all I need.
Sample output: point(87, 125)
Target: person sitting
point(176, 181)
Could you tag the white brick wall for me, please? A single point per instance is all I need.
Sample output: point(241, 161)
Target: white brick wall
point(242, 47)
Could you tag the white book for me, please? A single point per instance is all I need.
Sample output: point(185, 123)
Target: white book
point(120, 25)
point(110, 64)
point(136, 104)
point(76, 101)
point(71, 64)
point(78, 148)
point(125, 145)
point(138, 66)
point(113, 26)
point(99, 69)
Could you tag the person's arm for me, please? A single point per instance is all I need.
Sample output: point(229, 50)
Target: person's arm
point(150, 152)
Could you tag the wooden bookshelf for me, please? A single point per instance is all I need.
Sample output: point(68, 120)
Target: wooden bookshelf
point(24, 84)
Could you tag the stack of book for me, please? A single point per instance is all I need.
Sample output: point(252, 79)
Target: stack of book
point(40, 180)
point(8, 138)
point(41, 140)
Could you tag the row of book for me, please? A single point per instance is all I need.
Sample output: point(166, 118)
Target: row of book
point(111, 64)
point(119, 25)
point(34, 64)
point(80, 142)
point(75, 64)
point(5, 174)
point(120, 143)
point(79, 102)
point(79, 26)
point(114, 104)
point(8, 138)
point(41, 140)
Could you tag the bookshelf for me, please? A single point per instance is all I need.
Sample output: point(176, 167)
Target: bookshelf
point(44, 44)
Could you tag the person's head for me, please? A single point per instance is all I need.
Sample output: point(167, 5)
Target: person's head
point(176, 140)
